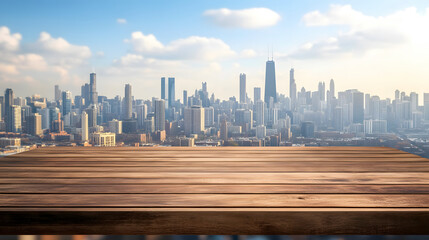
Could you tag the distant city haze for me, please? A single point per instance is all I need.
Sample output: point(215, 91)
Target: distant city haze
point(375, 47)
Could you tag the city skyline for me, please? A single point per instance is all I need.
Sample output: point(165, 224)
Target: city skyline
point(323, 40)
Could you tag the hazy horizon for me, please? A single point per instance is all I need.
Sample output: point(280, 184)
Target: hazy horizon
point(375, 48)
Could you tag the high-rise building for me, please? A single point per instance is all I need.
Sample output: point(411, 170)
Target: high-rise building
point(57, 93)
point(16, 120)
point(171, 91)
point(67, 102)
point(163, 88)
point(292, 88)
point(426, 106)
point(159, 115)
point(115, 126)
point(223, 129)
point(185, 98)
point(208, 116)
point(194, 120)
point(84, 126)
point(260, 113)
point(358, 109)
point(270, 82)
point(141, 115)
point(322, 92)
point(414, 98)
point(84, 92)
point(34, 124)
point(338, 118)
point(204, 86)
point(261, 131)
point(332, 88)
point(128, 102)
point(256, 94)
point(242, 88)
point(92, 116)
point(8, 103)
point(307, 129)
point(45, 118)
point(93, 95)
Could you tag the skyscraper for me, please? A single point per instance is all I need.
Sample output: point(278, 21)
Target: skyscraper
point(242, 88)
point(67, 102)
point(163, 88)
point(358, 109)
point(270, 82)
point(204, 86)
point(322, 92)
point(332, 88)
point(292, 88)
point(256, 94)
point(260, 113)
point(34, 124)
point(84, 126)
point(128, 102)
point(194, 120)
point(92, 116)
point(426, 106)
point(93, 89)
point(171, 91)
point(15, 116)
point(185, 98)
point(159, 115)
point(141, 115)
point(84, 92)
point(57, 93)
point(8, 103)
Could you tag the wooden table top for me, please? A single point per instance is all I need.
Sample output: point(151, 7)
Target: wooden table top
point(228, 190)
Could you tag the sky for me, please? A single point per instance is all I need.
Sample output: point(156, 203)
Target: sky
point(374, 46)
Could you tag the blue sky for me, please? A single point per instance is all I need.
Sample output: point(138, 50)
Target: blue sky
point(94, 25)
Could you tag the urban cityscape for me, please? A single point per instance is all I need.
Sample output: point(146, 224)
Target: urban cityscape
point(256, 117)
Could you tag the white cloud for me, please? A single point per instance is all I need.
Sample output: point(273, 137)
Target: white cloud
point(60, 46)
point(121, 20)
point(248, 53)
point(191, 48)
point(8, 69)
point(337, 15)
point(365, 33)
point(250, 18)
point(48, 60)
point(8, 41)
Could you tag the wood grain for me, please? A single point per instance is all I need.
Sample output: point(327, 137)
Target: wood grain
point(231, 190)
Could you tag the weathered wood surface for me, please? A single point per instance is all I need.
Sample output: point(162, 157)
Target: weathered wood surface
point(233, 190)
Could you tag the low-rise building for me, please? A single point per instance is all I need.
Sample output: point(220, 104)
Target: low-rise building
point(106, 139)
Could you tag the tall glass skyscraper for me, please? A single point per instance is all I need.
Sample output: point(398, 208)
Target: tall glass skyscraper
point(171, 91)
point(128, 102)
point(270, 82)
point(292, 88)
point(93, 89)
point(163, 88)
point(67, 102)
point(242, 88)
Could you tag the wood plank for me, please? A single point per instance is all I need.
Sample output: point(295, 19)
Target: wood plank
point(213, 188)
point(216, 200)
point(210, 155)
point(412, 165)
point(235, 167)
point(201, 178)
point(215, 221)
point(223, 159)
